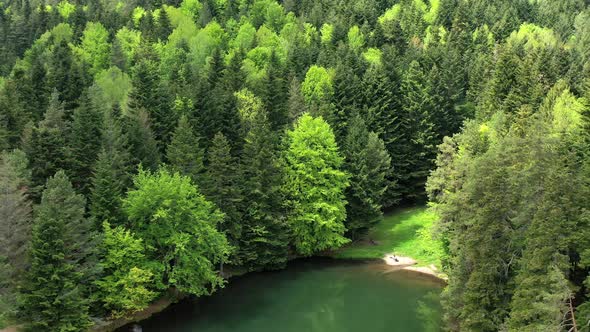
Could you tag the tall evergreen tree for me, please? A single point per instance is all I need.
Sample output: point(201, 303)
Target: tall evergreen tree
point(265, 236)
point(368, 163)
point(46, 148)
point(184, 153)
point(414, 151)
point(15, 222)
point(143, 145)
point(52, 299)
point(150, 95)
point(221, 186)
point(111, 174)
point(274, 94)
point(85, 143)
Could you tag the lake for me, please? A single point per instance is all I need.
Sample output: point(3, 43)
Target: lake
point(315, 295)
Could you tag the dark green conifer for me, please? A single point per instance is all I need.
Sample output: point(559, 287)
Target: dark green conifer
point(52, 298)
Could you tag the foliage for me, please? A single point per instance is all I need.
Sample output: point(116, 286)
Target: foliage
point(52, 298)
point(408, 232)
point(125, 287)
point(314, 185)
point(179, 226)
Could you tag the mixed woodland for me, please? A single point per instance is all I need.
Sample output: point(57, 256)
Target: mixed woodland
point(147, 145)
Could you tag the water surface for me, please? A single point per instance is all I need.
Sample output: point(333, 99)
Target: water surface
point(310, 295)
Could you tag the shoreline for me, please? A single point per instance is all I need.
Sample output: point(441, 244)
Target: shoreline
point(404, 264)
point(408, 264)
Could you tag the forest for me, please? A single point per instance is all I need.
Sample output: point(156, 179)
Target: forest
point(146, 144)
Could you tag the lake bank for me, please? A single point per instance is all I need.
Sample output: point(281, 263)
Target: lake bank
point(312, 294)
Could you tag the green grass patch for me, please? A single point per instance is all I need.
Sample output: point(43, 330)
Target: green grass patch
point(407, 232)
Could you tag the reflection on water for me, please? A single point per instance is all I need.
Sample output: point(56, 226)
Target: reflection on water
point(311, 295)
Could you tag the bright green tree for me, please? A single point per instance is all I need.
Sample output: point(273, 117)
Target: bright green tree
point(95, 48)
point(180, 226)
point(314, 185)
point(125, 286)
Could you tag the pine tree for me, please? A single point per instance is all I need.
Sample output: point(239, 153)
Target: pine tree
point(46, 148)
point(142, 143)
point(150, 95)
point(264, 239)
point(414, 151)
point(15, 220)
point(383, 117)
point(314, 185)
point(164, 27)
point(296, 102)
point(111, 175)
point(274, 94)
point(183, 153)
point(221, 186)
point(52, 299)
point(85, 144)
point(368, 162)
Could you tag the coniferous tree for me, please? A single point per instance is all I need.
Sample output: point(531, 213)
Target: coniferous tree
point(415, 148)
point(314, 185)
point(296, 102)
point(52, 298)
point(368, 163)
point(15, 221)
point(142, 143)
point(265, 236)
point(84, 144)
point(150, 95)
point(111, 174)
point(274, 94)
point(183, 153)
point(46, 148)
point(221, 186)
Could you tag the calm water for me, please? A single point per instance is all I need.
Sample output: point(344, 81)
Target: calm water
point(310, 295)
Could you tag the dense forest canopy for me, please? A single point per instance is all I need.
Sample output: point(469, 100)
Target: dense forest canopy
point(146, 143)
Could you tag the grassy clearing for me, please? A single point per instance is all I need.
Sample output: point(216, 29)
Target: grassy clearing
point(406, 232)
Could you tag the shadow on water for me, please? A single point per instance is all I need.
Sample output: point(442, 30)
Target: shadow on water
point(317, 294)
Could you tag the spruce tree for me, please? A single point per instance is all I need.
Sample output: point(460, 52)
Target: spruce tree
point(52, 299)
point(15, 222)
point(143, 145)
point(264, 239)
point(296, 103)
point(415, 148)
point(85, 143)
point(111, 174)
point(314, 185)
point(221, 186)
point(274, 94)
point(150, 95)
point(368, 163)
point(46, 148)
point(183, 153)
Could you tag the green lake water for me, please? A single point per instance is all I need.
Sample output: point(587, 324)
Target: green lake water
point(310, 296)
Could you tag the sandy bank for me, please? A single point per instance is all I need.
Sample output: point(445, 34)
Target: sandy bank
point(407, 264)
